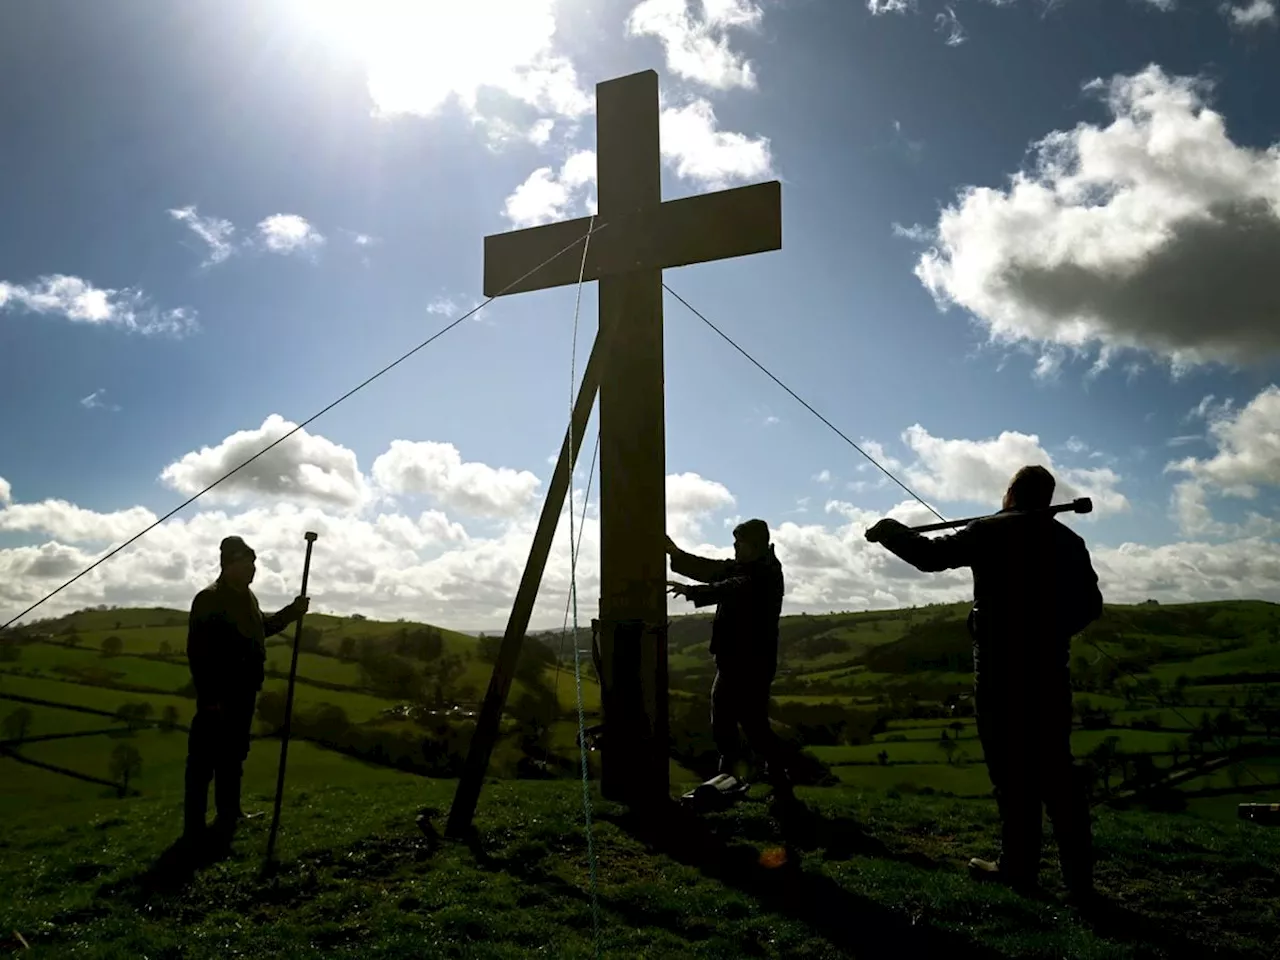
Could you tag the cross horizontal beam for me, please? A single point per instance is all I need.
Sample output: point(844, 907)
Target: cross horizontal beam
point(676, 233)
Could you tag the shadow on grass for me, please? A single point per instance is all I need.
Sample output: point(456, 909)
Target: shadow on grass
point(170, 873)
point(855, 924)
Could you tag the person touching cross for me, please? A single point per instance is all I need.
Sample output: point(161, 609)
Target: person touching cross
point(747, 592)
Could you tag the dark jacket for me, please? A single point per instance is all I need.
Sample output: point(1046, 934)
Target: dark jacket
point(1034, 588)
point(226, 643)
point(744, 634)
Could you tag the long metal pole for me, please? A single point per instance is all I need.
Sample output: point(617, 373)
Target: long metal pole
point(1082, 505)
point(288, 705)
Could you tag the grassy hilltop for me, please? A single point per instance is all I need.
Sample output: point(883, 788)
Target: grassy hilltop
point(1176, 715)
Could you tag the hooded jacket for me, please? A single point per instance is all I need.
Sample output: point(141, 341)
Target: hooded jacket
point(744, 634)
point(226, 643)
point(1034, 588)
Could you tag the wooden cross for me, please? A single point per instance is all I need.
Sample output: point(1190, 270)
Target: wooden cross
point(638, 236)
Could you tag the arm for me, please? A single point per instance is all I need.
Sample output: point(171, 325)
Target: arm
point(941, 553)
point(208, 667)
point(707, 594)
point(278, 621)
point(699, 568)
point(1086, 599)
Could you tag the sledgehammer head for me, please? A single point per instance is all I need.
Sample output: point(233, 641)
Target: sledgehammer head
point(1082, 505)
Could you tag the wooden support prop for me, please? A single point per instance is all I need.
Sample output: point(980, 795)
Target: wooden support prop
point(495, 698)
point(638, 236)
point(288, 704)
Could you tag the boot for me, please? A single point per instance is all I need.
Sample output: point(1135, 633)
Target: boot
point(990, 871)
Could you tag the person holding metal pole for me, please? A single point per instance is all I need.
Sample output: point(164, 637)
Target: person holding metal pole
point(288, 705)
point(1034, 588)
point(226, 651)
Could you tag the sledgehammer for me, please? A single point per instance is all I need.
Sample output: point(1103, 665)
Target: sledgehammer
point(1082, 505)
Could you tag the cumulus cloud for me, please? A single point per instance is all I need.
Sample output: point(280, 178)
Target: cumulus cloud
point(81, 302)
point(66, 521)
point(1249, 15)
point(306, 466)
point(713, 158)
point(978, 471)
point(546, 196)
point(1156, 232)
point(438, 470)
point(697, 48)
point(288, 233)
point(216, 233)
point(1246, 461)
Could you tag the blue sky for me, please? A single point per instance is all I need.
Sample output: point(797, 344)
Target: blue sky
point(255, 206)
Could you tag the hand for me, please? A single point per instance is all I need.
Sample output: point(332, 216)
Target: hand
point(300, 606)
point(680, 590)
point(671, 547)
point(886, 528)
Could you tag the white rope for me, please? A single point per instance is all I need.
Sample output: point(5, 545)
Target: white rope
point(573, 599)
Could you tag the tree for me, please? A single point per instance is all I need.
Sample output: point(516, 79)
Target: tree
point(347, 649)
point(958, 727)
point(947, 746)
point(883, 757)
point(9, 651)
point(166, 648)
point(169, 718)
point(126, 763)
point(311, 640)
point(112, 646)
point(135, 714)
point(17, 724)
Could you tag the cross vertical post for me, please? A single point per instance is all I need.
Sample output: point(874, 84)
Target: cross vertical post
point(633, 456)
point(638, 235)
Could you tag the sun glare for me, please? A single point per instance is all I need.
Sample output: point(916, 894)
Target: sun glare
point(419, 53)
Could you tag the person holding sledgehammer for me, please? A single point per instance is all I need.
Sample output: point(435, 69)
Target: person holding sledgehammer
point(226, 651)
point(1034, 588)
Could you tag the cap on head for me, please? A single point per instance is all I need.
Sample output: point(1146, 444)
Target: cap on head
point(234, 548)
point(1030, 489)
point(753, 531)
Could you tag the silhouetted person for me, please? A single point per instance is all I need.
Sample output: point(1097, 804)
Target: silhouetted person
point(226, 650)
point(744, 640)
point(1034, 587)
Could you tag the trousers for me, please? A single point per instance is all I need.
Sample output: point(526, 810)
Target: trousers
point(740, 698)
point(216, 750)
point(1026, 738)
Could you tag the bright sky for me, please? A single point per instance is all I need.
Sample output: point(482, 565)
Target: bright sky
point(1016, 232)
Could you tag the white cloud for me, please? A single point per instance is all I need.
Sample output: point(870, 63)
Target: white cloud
point(288, 233)
point(878, 7)
point(1252, 14)
point(81, 302)
point(1247, 459)
point(714, 158)
point(6, 491)
point(546, 196)
point(979, 471)
point(305, 466)
point(94, 401)
point(697, 47)
point(438, 470)
point(948, 21)
point(215, 232)
point(66, 521)
point(1157, 232)
point(420, 56)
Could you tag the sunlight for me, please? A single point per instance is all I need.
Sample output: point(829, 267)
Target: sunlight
point(419, 53)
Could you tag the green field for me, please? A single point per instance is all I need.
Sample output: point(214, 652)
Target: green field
point(892, 668)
